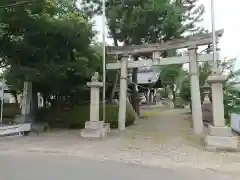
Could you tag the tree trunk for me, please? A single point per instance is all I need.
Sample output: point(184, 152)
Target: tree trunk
point(115, 83)
point(165, 92)
point(16, 99)
point(135, 102)
point(130, 108)
point(44, 101)
point(34, 104)
point(174, 95)
point(115, 42)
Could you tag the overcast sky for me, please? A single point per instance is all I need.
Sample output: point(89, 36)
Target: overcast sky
point(227, 14)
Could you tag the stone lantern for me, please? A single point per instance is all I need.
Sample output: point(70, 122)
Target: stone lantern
point(206, 92)
point(207, 105)
point(220, 136)
point(95, 128)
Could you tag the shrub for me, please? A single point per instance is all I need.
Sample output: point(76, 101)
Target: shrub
point(44, 115)
point(10, 110)
point(75, 117)
point(112, 116)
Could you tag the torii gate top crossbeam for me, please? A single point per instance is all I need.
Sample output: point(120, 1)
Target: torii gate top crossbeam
point(198, 40)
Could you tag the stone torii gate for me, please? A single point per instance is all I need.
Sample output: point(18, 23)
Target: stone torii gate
point(190, 43)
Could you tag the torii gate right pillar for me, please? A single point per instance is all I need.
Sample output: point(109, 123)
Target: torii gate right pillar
point(195, 91)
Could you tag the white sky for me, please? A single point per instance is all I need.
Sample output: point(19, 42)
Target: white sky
point(227, 15)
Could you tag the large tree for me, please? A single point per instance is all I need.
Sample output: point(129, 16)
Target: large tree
point(48, 43)
point(149, 21)
point(146, 21)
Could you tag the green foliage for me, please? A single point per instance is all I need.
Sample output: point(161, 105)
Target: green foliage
point(48, 43)
point(185, 93)
point(231, 92)
point(75, 117)
point(164, 92)
point(170, 73)
point(148, 21)
point(204, 72)
point(172, 77)
point(10, 110)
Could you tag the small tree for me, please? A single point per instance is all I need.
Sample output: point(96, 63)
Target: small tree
point(172, 77)
point(230, 90)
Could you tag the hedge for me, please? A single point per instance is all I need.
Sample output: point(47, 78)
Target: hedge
point(10, 110)
point(75, 117)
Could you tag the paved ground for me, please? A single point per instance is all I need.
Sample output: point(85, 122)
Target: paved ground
point(32, 167)
point(165, 139)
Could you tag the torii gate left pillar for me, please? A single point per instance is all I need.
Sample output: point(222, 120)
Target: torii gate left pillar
point(123, 94)
point(195, 91)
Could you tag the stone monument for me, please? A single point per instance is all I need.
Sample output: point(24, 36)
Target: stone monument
point(26, 104)
point(95, 128)
point(27, 98)
point(220, 136)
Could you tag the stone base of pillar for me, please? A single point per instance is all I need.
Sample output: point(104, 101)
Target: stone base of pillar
point(95, 129)
point(220, 131)
point(221, 139)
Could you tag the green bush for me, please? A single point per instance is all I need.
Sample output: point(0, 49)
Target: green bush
point(75, 117)
point(44, 115)
point(10, 110)
point(112, 116)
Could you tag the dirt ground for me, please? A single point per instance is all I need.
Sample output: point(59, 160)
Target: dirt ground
point(163, 139)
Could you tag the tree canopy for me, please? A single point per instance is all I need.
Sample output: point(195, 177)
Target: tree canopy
point(48, 43)
point(147, 21)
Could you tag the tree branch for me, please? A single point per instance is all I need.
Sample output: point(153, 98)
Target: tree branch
point(20, 3)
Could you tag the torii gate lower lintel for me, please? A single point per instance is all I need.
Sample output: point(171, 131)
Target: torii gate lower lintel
point(160, 61)
point(192, 45)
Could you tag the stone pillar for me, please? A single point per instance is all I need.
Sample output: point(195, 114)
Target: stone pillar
point(216, 81)
point(26, 104)
point(40, 100)
point(195, 92)
point(95, 86)
point(219, 136)
point(123, 95)
point(156, 57)
point(95, 128)
point(26, 98)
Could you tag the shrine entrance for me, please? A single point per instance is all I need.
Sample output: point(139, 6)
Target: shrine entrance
point(130, 59)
